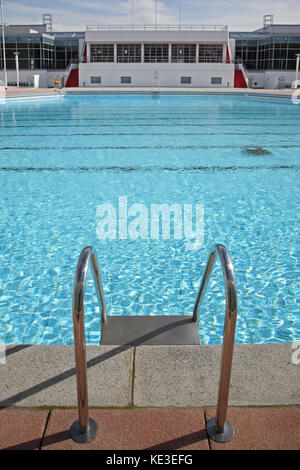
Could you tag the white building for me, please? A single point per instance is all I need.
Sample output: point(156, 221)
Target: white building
point(153, 56)
point(164, 58)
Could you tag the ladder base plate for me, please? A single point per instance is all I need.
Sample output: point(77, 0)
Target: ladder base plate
point(155, 330)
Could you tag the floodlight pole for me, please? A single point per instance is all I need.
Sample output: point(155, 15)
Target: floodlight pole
point(179, 14)
point(3, 45)
point(297, 69)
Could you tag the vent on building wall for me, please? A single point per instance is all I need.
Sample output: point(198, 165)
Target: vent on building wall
point(216, 80)
point(125, 80)
point(186, 80)
point(96, 79)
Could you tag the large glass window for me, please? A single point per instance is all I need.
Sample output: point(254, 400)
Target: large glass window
point(102, 53)
point(210, 52)
point(156, 53)
point(129, 52)
point(35, 52)
point(271, 53)
point(47, 53)
point(246, 52)
point(66, 51)
point(184, 53)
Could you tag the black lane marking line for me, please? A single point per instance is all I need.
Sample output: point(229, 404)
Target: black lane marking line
point(126, 118)
point(169, 119)
point(143, 112)
point(144, 134)
point(131, 125)
point(144, 147)
point(125, 169)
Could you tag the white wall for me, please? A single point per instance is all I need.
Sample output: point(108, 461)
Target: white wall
point(256, 79)
point(168, 74)
point(156, 36)
point(269, 79)
point(46, 77)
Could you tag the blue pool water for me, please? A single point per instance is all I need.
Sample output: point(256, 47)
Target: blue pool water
point(61, 158)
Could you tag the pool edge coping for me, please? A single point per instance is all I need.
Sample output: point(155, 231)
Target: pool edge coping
point(150, 376)
point(12, 95)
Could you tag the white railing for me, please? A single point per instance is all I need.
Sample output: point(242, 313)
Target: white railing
point(150, 27)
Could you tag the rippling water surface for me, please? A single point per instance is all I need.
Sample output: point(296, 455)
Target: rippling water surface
point(60, 159)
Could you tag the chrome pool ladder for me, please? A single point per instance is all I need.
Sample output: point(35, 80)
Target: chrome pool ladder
point(218, 428)
point(84, 429)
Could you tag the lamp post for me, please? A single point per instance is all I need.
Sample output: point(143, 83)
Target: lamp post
point(3, 45)
point(17, 68)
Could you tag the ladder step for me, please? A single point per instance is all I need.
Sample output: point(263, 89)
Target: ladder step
point(156, 330)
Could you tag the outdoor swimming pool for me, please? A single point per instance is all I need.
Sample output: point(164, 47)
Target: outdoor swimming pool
point(62, 158)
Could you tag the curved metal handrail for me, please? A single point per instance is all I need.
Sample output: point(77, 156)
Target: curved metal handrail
point(85, 428)
point(218, 428)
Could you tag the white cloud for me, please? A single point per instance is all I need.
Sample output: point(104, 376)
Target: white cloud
point(75, 14)
point(242, 14)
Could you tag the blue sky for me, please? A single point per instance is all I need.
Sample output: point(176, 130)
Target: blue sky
point(75, 14)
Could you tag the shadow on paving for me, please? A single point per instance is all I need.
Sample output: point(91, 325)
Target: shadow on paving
point(71, 372)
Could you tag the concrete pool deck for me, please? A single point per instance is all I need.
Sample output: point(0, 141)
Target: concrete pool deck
point(150, 376)
point(150, 396)
point(15, 91)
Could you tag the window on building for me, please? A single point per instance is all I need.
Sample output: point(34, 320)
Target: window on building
point(96, 79)
point(216, 80)
point(129, 53)
point(65, 51)
point(210, 52)
point(184, 53)
point(102, 53)
point(156, 53)
point(35, 52)
point(186, 80)
point(125, 80)
point(271, 53)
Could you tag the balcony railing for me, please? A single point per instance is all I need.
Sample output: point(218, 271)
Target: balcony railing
point(151, 27)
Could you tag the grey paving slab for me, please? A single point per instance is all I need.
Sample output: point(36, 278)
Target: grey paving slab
point(264, 374)
point(188, 375)
point(179, 376)
point(175, 375)
point(45, 376)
